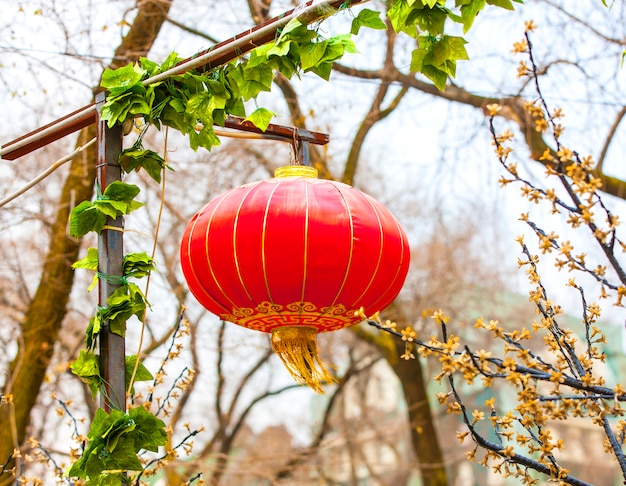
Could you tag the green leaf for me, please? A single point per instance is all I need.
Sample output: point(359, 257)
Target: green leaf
point(90, 261)
point(150, 431)
point(87, 368)
point(323, 70)
point(261, 118)
point(398, 14)
point(118, 199)
point(246, 90)
point(367, 18)
point(469, 12)
point(93, 329)
point(204, 138)
point(85, 218)
point(113, 443)
point(138, 265)
point(135, 159)
point(116, 430)
point(120, 191)
point(260, 55)
point(142, 372)
point(449, 49)
point(126, 104)
point(312, 55)
point(123, 303)
point(506, 4)
point(275, 50)
point(430, 20)
point(85, 466)
point(121, 79)
point(438, 77)
point(295, 28)
point(171, 61)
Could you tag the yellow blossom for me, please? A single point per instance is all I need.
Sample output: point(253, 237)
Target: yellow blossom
point(408, 334)
point(493, 109)
point(521, 46)
point(530, 25)
point(478, 415)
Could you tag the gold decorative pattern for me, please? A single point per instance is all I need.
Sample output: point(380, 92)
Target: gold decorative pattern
point(267, 316)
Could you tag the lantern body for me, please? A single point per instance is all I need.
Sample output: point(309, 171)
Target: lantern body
point(294, 251)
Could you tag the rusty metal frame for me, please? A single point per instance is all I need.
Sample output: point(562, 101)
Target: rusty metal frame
point(216, 56)
point(109, 146)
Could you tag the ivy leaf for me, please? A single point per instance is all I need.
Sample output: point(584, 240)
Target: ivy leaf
point(93, 329)
point(506, 4)
point(260, 55)
point(279, 49)
point(171, 61)
point(127, 104)
point(118, 199)
point(116, 430)
point(150, 431)
point(142, 372)
point(87, 368)
point(85, 218)
point(311, 55)
point(469, 11)
point(367, 18)
point(251, 81)
point(320, 60)
point(398, 14)
point(103, 467)
point(294, 29)
point(430, 20)
point(123, 303)
point(90, 262)
point(236, 107)
point(80, 468)
point(120, 80)
point(204, 138)
point(120, 191)
point(261, 118)
point(437, 76)
point(449, 49)
point(137, 265)
point(113, 443)
point(135, 159)
point(437, 58)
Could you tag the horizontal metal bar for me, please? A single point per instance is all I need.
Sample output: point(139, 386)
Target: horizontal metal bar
point(49, 133)
point(278, 131)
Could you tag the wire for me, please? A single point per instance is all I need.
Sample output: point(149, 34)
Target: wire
point(46, 173)
point(154, 249)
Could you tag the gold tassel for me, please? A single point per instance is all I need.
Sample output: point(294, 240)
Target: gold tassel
point(296, 346)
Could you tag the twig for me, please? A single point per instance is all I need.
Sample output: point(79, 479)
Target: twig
point(46, 173)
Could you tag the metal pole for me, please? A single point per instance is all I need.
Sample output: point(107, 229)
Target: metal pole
point(110, 262)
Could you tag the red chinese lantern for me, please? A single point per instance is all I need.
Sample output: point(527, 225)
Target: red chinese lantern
point(294, 256)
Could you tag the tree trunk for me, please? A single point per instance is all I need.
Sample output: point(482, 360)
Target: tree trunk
point(44, 317)
point(423, 432)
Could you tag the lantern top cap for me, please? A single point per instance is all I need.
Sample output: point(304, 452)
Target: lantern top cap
point(296, 171)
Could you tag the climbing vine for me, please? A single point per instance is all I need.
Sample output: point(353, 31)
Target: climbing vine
point(194, 102)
